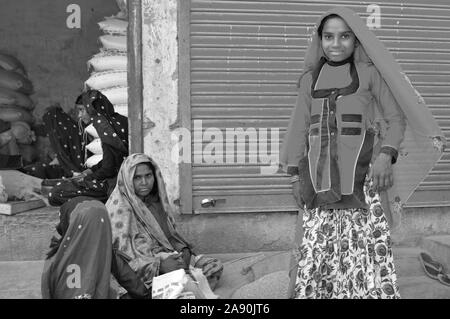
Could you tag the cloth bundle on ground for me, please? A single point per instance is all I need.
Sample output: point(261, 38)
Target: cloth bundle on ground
point(146, 231)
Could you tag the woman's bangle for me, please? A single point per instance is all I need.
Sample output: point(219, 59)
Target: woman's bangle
point(295, 178)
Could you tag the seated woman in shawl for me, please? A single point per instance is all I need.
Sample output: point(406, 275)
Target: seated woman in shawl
point(80, 263)
point(112, 129)
point(144, 227)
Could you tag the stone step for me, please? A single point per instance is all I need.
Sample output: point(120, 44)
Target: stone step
point(21, 279)
point(422, 287)
point(26, 236)
point(439, 249)
point(406, 261)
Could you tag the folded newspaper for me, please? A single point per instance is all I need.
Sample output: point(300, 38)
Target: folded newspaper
point(180, 285)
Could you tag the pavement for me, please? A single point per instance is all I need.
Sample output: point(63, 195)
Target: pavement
point(21, 279)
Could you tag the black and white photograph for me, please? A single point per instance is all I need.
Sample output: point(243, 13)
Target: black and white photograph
point(241, 152)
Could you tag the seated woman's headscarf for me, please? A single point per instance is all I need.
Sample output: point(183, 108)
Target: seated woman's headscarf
point(126, 209)
point(424, 141)
point(79, 262)
point(111, 127)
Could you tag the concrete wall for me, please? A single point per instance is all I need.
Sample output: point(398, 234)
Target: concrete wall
point(235, 233)
point(160, 76)
point(54, 55)
point(26, 236)
point(210, 233)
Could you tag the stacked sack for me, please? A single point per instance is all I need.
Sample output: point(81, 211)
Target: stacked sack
point(123, 14)
point(109, 72)
point(95, 147)
point(15, 104)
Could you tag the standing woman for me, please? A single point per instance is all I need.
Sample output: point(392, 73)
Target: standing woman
point(341, 159)
point(112, 128)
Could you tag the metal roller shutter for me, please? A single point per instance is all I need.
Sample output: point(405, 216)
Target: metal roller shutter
point(244, 60)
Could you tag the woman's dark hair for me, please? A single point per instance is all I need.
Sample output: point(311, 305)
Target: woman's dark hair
point(155, 183)
point(79, 99)
point(324, 20)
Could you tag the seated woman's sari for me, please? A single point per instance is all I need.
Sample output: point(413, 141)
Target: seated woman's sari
point(80, 263)
point(146, 231)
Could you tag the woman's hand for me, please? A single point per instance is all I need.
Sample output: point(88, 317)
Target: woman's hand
point(87, 172)
point(171, 263)
point(82, 175)
point(381, 172)
point(186, 255)
point(296, 193)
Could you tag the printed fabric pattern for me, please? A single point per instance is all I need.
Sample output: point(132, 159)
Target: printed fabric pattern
point(346, 254)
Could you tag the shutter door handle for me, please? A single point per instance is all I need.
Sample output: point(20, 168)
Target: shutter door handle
point(211, 202)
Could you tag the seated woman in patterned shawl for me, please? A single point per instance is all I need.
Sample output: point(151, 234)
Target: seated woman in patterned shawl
point(112, 128)
point(144, 228)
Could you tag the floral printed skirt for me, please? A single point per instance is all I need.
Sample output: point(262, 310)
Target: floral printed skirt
point(346, 253)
